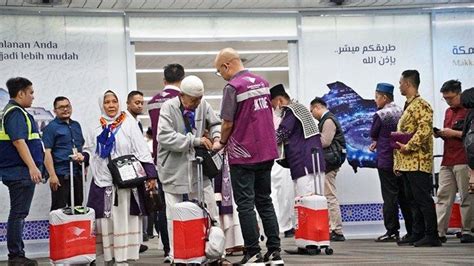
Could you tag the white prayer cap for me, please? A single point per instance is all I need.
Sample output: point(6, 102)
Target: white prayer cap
point(192, 86)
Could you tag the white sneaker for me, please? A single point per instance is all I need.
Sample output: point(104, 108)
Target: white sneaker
point(168, 259)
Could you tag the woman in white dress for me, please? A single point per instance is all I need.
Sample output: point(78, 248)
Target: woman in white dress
point(118, 211)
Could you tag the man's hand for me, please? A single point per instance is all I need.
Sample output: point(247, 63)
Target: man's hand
point(54, 183)
point(373, 146)
point(403, 148)
point(217, 146)
point(447, 133)
point(150, 184)
point(78, 157)
point(206, 143)
point(35, 175)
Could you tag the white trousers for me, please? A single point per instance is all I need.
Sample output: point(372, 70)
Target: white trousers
point(283, 197)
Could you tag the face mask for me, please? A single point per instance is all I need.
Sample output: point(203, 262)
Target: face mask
point(278, 111)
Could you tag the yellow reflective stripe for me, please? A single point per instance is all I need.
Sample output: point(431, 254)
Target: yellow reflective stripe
point(31, 136)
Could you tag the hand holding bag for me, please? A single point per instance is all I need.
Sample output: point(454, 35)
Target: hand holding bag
point(212, 162)
point(154, 201)
point(127, 171)
point(399, 137)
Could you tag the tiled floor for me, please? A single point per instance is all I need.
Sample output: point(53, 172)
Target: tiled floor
point(351, 252)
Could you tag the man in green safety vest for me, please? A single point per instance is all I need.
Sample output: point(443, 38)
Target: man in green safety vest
point(21, 158)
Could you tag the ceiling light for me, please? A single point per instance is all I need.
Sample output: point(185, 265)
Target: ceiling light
point(212, 70)
point(167, 53)
point(207, 97)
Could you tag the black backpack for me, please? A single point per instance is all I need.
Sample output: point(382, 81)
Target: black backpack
point(469, 143)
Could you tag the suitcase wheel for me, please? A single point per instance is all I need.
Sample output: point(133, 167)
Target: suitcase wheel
point(313, 250)
point(329, 251)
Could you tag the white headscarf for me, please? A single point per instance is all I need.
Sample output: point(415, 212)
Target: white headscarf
point(101, 106)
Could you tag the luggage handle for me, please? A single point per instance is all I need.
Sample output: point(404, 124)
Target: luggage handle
point(71, 181)
point(314, 158)
point(200, 187)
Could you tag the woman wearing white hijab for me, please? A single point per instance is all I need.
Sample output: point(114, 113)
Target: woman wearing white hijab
point(118, 211)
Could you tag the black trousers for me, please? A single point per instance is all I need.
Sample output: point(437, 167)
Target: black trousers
point(159, 221)
point(393, 194)
point(62, 197)
point(251, 187)
point(418, 187)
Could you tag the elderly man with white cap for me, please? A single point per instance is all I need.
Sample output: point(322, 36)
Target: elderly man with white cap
point(182, 125)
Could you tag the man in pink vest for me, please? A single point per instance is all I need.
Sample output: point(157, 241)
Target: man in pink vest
point(173, 75)
point(248, 134)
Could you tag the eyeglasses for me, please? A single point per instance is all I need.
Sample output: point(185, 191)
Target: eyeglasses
point(218, 71)
point(449, 98)
point(63, 107)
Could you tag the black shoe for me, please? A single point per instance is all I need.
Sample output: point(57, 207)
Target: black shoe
point(409, 240)
point(466, 238)
point(428, 241)
point(290, 233)
point(388, 237)
point(145, 238)
point(273, 257)
point(405, 236)
point(443, 239)
point(337, 237)
point(21, 261)
point(253, 258)
point(143, 248)
point(298, 251)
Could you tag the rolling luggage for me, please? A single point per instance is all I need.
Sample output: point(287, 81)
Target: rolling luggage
point(312, 217)
point(72, 231)
point(190, 224)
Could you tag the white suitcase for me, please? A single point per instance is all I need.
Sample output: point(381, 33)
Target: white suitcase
point(190, 223)
point(72, 231)
point(312, 218)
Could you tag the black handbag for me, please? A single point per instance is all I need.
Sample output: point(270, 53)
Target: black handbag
point(154, 201)
point(127, 171)
point(211, 163)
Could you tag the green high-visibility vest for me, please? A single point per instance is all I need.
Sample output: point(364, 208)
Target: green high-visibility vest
point(3, 135)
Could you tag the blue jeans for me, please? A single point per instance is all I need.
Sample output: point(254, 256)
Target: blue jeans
point(21, 194)
point(251, 188)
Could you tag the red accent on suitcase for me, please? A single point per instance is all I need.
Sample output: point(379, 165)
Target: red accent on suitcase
point(71, 239)
point(189, 238)
point(455, 219)
point(312, 224)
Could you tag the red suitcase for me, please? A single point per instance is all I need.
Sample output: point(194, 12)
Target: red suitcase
point(312, 218)
point(190, 223)
point(72, 232)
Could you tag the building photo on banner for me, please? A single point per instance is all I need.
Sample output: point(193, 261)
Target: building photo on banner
point(340, 58)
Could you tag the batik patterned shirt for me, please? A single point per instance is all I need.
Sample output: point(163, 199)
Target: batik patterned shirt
point(417, 118)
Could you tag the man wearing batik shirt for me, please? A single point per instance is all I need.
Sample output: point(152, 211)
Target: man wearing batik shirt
point(393, 192)
point(414, 162)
